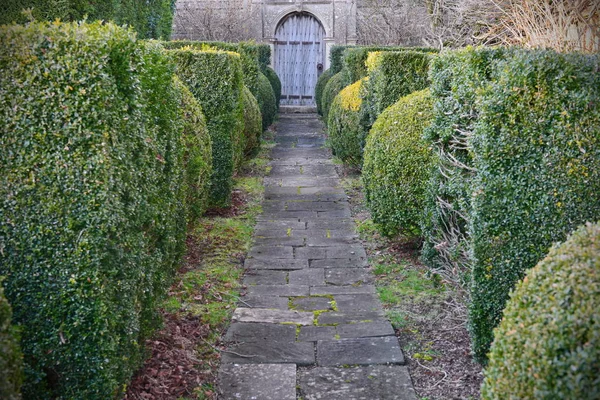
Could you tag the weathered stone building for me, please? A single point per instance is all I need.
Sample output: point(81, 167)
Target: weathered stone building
point(300, 32)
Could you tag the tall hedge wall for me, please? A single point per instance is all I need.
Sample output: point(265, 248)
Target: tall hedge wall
point(336, 58)
point(275, 83)
point(252, 125)
point(11, 362)
point(92, 217)
point(456, 77)
point(397, 165)
point(320, 88)
point(537, 156)
point(150, 19)
point(345, 136)
point(198, 153)
point(264, 55)
point(266, 100)
point(215, 80)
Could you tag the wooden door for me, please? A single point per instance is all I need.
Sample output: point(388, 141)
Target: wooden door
point(299, 49)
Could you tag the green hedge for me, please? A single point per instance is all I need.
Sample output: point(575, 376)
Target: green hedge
point(248, 52)
point(198, 154)
point(537, 156)
point(320, 87)
point(345, 136)
point(548, 343)
point(252, 125)
point(92, 216)
point(332, 88)
point(354, 59)
point(266, 101)
point(275, 83)
point(215, 79)
point(397, 165)
point(336, 58)
point(456, 78)
point(264, 55)
point(150, 19)
point(11, 361)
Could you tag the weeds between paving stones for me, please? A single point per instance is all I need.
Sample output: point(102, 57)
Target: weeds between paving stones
point(427, 313)
point(184, 356)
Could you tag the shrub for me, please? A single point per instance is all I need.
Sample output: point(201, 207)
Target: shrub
point(215, 79)
point(320, 87)
point(92, 217)
point(264, 56)
point(456, 78)
point(198, 156)
point(537, 156)
point(252, 125)
point(275, 83)
point(548, 343)
point(266, 101)
point(150, 19)
point(397, 165)
point(11, 362)
point(333, 87)
point(345, 136)
point(336, 58)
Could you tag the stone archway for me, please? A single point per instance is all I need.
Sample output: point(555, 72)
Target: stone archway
point(299, 57)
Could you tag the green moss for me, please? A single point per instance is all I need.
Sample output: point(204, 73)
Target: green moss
point(548, 343)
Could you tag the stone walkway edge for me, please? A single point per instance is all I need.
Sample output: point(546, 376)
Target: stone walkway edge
point(311, 325)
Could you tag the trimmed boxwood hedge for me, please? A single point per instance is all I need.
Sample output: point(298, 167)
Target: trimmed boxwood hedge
point(92, 216)
point(150, 18)
point(252, 125)
point(456, 77)
point(537, 156)
point(264, 55)
point(275, 83)
point(336, 58)
point(397, 165)
point(215, 79)
point(332, 88)
point(320, 87)
point(11, 361)
point(548, 343)
point(345, 136)
point(266, 101)
point(198, 152)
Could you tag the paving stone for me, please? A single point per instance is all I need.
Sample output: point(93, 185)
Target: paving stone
point(316, 333)
point(272, 316)
point(365, 329)
point(347, 276)
point(265, 277)
point(310, 253)
point(282, 234)
point(337, 318)
point(281, 264)
point(284, 240)
point(279, 290)
point(271, 224)
point(320, 170)
point(288, 214)
point(350, 252)
point(260, 381)
point(332, 224)
point(311, 303)
point(334, 214)
point(320, 189)
point(315, 206)
point(310, 277)
point(330, 241)
point(261, 332)
point(336, 290)
point(339, 263)
point(300, 353)
point(358, 302)
point(255, 301)
point(302, 182)
point(271, 252)
point(377, 382)
point(361, 351)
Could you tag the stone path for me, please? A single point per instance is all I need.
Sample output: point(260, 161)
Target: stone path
point(311, 325)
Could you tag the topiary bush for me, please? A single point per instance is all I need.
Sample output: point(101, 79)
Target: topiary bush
point(215, 79)
point(397, 165)
point(252, 125)
point(264, 55)
point(92, 213)
point(198, 153)
point(275, 83)
point(320, 87)
point(346, 137)
point(456, 78)
point(11, 359)
point(266, 101)
point(333, 87)
point(548, 343)
point(336, 58)
point(150, 19)
point(537, 156)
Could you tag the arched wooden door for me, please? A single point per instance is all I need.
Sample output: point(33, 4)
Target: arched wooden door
point(299, 51)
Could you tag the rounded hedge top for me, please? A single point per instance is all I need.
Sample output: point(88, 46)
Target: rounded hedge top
point(548, 344)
